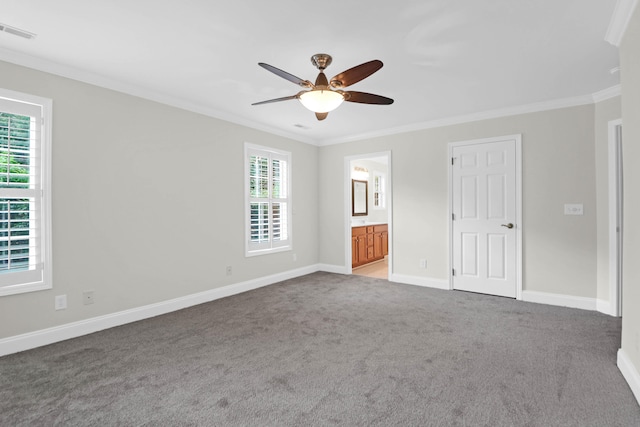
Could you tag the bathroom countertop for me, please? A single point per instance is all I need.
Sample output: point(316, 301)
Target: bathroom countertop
point(364, 224)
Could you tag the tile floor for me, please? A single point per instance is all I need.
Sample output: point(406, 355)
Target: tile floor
point(378, 269)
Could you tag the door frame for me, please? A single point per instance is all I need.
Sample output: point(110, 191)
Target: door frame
point(347, 206)
point(615, 217)
point(517, 138)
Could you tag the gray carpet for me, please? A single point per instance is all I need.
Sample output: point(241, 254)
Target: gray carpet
point(327, 349)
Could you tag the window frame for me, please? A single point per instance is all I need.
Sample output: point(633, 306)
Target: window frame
point(41, 108)
point(256, 249)
point(379, 190)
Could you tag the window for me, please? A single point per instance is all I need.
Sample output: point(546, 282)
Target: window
point(378, 190)
point(25, 243)
point(268, 187)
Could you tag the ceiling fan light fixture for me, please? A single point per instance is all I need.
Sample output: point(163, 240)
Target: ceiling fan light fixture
point(326, 95)
point(321, 100)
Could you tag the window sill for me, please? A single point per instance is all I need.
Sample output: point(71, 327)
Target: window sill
point(24, 288)
point(266, 251)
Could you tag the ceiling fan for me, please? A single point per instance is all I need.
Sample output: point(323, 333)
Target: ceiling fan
point(326, 95)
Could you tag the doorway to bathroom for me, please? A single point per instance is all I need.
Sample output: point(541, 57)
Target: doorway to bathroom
point(368, 219)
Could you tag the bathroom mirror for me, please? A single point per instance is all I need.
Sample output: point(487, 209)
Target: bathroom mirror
point(359, 202)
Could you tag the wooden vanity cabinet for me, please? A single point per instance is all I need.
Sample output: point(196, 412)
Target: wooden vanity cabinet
point(358, 245)
point(369, 243)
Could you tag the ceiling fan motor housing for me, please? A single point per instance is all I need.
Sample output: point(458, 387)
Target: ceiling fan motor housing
point(321, 60)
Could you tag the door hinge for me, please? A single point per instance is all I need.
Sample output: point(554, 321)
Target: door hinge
point(453, 217)
point(453, 271)
point(452, 160)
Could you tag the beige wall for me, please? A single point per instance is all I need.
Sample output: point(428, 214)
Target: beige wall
point(155, 233)
point(147, 203)
point(605, 111)
point(558, 167)
point(630, 80)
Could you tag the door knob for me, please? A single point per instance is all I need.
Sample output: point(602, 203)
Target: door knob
point(507, 225)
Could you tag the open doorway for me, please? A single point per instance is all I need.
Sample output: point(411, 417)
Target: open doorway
point(368, 215)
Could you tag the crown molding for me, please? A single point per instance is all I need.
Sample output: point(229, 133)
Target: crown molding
point(608, 93)
point(95, 79)
point(619, 21)
point(134, 90)
point(484, 115)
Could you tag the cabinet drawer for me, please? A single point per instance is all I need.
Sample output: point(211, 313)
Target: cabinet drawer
point(358, 231)
point(380, 228)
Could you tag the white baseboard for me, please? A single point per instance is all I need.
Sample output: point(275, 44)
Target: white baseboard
point(560, 300)
point(604, 307)
point(47, 336)
point(330, 268)
point(426, 282)
point(630, 373)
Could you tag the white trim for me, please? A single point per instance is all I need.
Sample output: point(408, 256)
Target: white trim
point(83, 327)
point(608, 93)
point(347, 213)
point(347, 206)
point(518, 220)
point(456, 120)
point(559, 300)
point(603, 307)
point(95, 79)
point(630, 373)
point(615, 194)
point(619, 21)
point(331, 268)
point(426, 282)
point(44, 107)
point(253, 249)
point(140, 92)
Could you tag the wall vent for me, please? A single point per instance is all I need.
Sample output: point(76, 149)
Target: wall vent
point(16, 31)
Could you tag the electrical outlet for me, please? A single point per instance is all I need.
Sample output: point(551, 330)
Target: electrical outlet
point(87, 297)
point(228, 270)
point(423, 263)
point(61, 302)
point(295, 257)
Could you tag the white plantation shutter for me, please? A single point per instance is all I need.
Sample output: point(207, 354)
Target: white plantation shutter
point(23, 217)
point(268, 200)
point(378, 190)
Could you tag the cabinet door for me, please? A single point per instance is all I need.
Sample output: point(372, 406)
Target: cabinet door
point(377, 245)
point(362, 249)
point(354, 250)
point(385, 243)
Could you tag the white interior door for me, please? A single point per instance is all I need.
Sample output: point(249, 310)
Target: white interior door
point(485, 216)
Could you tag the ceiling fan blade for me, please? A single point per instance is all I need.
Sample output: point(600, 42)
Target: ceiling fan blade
point(286, 98)
point(367, 98)
point(321, 116)
point(285, 75)
point(355, 74)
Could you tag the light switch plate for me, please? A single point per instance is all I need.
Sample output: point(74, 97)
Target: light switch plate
point(574, 209)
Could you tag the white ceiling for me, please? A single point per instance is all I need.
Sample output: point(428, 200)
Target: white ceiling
point(442, 58)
